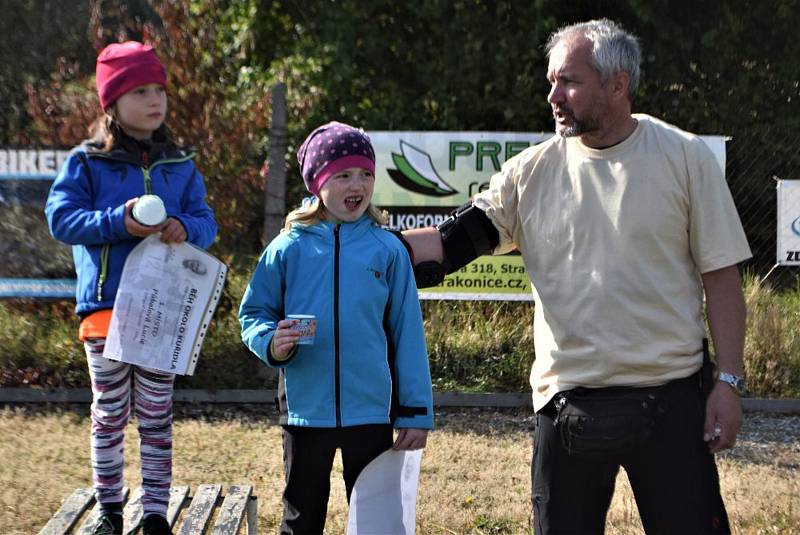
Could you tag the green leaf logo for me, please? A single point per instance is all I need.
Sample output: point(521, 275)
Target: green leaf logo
point(415, 172)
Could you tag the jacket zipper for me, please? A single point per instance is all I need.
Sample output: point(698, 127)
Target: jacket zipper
point(336, 324)
point(146, 172)
point(101, 280)
point(105, 251)
point(147, 168)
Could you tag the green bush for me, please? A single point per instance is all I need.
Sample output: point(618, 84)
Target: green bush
point(39, 345)
point(482, 346)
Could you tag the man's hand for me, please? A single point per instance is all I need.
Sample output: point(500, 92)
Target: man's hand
point(411, 439)
point(723, 411)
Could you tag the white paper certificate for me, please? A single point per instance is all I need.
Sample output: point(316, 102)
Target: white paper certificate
point(384, 498)
point(166, 298)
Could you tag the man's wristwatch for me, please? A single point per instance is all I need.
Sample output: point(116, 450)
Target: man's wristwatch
point(734, 381)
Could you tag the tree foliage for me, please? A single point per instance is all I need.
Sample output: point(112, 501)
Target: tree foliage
point(215, 104)
point(30, 46)
point(710, 67)
point(729, 67)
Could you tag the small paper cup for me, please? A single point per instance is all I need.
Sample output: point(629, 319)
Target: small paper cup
point(307, 327)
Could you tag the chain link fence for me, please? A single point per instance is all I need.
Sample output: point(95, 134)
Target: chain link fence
point(756, 159)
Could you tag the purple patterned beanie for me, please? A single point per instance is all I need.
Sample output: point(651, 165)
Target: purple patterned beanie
point(330, 149)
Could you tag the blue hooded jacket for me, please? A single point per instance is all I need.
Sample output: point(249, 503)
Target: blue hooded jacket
point(86, 209)
point(369, 362)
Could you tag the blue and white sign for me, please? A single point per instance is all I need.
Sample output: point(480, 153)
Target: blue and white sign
point(788, 223)
point(31, 164)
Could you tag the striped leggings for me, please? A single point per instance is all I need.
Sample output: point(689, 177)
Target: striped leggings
point(111, 392)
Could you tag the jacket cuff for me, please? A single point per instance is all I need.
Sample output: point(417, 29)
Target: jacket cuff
point(270, 358)
point(414, 417)
point(118, 214)
point(424, 422)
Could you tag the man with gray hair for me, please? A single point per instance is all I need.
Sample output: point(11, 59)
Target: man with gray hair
point(623, 222)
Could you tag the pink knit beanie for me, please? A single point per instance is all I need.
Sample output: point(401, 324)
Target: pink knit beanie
point(124, 66)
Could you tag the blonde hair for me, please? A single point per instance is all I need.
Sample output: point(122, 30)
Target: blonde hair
point(310, 213)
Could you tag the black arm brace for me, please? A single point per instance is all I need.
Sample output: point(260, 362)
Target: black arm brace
point(466, 234)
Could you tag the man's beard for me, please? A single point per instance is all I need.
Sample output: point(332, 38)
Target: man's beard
point(580, 127)
point(592, 122)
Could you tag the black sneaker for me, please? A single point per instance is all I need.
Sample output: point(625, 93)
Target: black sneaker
point(155, 525)
point(108, 524)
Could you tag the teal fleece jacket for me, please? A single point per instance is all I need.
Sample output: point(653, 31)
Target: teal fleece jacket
point(368, 363)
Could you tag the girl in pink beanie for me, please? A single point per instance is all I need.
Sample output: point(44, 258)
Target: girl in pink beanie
point(90, 206)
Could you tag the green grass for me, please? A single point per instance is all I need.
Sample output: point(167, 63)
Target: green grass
point(476, 346)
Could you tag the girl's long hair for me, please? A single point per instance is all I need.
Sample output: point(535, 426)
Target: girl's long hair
point(312, 212)
point(106, 132)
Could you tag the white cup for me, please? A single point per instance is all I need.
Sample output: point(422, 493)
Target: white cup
point(306, 325)
point(149, 210)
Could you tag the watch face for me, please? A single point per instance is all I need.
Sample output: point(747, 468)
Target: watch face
point(733, 380)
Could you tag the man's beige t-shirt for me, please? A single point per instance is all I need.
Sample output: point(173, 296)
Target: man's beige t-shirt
point(614, 242)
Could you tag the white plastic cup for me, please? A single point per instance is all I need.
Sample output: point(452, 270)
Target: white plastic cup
point(307, 327)
point(149, 210)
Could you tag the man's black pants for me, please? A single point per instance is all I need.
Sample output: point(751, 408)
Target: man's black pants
point(673, 475)
point(308, 454)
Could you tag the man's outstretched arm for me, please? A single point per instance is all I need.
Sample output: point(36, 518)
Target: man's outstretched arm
point(436, 251)
point(426, 243)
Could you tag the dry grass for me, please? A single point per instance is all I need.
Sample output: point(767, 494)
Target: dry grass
point(475, 472)
point(772, 344)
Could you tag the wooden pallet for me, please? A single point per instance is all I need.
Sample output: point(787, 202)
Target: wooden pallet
point(232, 509)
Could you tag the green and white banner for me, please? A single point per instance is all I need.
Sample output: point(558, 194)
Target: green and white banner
point(440, 169)
point(422, 176)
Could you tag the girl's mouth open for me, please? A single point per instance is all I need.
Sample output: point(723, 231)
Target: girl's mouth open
point(352, 203)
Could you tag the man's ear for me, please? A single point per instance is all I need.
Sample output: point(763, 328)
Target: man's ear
point(620, 83)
